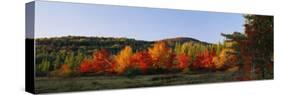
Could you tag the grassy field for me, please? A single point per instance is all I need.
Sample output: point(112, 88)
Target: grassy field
point(47, 85)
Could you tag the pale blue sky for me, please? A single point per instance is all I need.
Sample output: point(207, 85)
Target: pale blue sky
point(53, 19)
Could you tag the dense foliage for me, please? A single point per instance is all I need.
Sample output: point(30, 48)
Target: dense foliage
point(158, 57)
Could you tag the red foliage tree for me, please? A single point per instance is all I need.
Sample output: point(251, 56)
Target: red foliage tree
point(100, 63)
point(169, 65)
point(183, 60)
point(85, 66)
point(143, 60)
point(204, 60)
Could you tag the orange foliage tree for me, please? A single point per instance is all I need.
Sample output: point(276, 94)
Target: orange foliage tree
point(123, 59)
point(64, 70)
point(161, 55)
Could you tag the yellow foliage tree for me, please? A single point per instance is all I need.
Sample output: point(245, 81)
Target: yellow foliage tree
point(225, 59)
point(160, 54)
point(123, 59)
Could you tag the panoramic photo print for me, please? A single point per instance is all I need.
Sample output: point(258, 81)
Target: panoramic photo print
point(82, 47)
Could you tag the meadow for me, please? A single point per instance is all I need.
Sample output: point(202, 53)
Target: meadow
point(47, 85)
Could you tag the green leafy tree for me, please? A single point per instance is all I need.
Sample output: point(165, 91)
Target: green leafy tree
point(255, 45)
point(44, 66)
point(69, 59)
point(57, 62)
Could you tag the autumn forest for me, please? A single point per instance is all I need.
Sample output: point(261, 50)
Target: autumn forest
point(243, 55)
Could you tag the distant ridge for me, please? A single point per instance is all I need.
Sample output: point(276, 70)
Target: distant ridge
point(170, 41)
point(112, 44)
point(183, 40)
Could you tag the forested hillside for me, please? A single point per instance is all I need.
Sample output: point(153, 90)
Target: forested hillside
point(52, 53)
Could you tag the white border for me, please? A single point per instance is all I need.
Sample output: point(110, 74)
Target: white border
point(12, 47)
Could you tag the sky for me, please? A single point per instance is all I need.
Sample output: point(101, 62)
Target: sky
point(55, 19)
